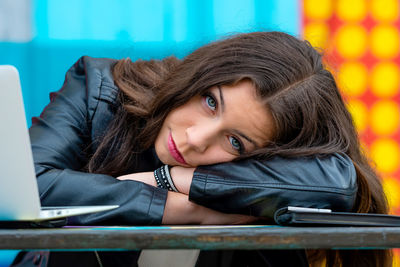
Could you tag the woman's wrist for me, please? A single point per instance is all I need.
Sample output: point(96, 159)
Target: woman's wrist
point(179, 210)
point(182, 178)
point(144, 177)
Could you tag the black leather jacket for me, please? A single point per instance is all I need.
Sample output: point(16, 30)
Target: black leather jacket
point(69, 128)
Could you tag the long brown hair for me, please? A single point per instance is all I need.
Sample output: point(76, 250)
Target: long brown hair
point(301, 94)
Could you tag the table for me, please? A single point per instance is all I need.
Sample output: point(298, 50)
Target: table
point(200, 237)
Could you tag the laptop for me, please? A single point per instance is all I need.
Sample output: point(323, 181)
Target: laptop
point(19, 195)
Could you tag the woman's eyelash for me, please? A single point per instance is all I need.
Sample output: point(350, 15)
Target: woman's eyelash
point(240, 149)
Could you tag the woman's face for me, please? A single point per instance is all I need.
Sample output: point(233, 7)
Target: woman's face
point(215, 127)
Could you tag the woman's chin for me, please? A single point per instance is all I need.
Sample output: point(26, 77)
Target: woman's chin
point(182, 165)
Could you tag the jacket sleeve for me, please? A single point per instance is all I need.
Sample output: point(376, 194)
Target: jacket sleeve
point(259, 188)
point(60, 138)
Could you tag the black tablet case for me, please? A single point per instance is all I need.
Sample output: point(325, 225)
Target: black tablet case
point(285, 216)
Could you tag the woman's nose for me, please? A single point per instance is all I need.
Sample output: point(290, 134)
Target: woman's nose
point(200, 138)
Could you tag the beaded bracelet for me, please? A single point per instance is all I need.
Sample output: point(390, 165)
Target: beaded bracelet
point(163, 178)
point(160, 182)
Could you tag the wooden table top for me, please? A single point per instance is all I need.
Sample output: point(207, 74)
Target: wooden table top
point(200, 237)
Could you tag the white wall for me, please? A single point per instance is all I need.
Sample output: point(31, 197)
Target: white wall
point(15, 20)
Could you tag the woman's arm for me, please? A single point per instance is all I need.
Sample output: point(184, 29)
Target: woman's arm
point(259, 188)
point(178, 208)
point(182, 178)
point(61, 141)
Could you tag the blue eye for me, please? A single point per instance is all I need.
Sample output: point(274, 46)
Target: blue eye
point(235, 144)
point(211, 103)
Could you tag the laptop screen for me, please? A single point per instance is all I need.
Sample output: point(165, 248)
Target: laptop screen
point(19, 197)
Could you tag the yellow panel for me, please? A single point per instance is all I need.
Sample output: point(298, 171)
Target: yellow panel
point(352, 10)
point(352, 78)
point(385, 117)
point(386, 154)
point(385, 79)
point(318, 9)
point(396, 260)
point(317, 34)
point(385, 10)
point(391, 187)
point(385, 41)
point(351, 41)
point(359, 112)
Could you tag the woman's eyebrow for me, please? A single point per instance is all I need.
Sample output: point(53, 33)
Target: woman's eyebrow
point(221, 98)
point(246, 137)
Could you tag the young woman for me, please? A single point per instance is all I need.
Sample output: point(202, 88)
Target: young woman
point(247, 125)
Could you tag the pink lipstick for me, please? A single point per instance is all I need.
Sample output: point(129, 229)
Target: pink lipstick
point(173, 150)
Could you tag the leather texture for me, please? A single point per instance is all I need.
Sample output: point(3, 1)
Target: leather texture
point(65, 135)
point(259, 188)
point(70, 127)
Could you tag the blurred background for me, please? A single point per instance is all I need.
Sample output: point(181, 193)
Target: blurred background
point(360, 39)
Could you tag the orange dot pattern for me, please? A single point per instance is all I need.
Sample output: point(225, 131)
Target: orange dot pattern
point(361, 43)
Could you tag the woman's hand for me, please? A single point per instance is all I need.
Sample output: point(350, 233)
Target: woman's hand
point(181, 176)
point(179, 210)
point(144, 177)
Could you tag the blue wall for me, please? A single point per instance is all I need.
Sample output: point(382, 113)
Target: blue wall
point(65, 30)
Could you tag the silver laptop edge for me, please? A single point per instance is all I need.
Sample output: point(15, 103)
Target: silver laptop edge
point(19, 195)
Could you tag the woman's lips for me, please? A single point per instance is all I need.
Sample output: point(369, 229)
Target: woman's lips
point(174, 151)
